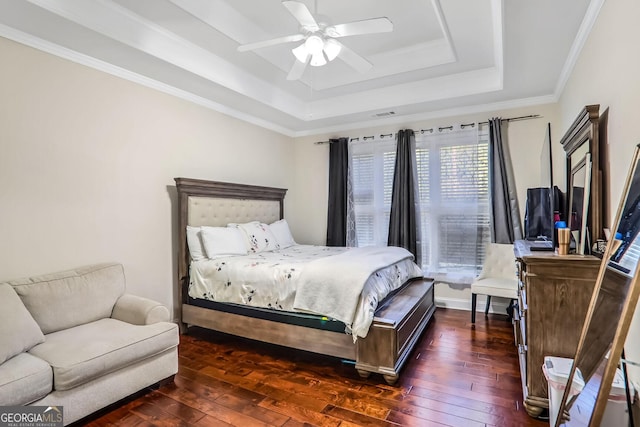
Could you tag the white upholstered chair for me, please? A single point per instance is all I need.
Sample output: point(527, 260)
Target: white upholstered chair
point(497, 278)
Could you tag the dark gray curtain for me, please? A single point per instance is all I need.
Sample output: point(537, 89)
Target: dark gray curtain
point(505, 213)
point(404, 222)
point(338, 176)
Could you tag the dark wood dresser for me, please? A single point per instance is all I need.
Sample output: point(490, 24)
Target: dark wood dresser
point(553, 297)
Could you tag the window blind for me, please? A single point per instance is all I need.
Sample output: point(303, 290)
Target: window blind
point(453, 185)
point(453, 171)
point(372, 166)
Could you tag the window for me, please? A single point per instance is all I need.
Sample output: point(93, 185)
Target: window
point(453, 181)
point(372, 164)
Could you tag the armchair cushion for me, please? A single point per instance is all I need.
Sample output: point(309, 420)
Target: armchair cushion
point(18, 331)
point(139, 311)
point(24, 379)
point(83, 353)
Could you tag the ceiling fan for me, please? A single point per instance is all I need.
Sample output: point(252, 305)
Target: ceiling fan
point(319, 40)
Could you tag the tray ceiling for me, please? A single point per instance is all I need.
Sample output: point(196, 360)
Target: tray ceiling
point(443, 56)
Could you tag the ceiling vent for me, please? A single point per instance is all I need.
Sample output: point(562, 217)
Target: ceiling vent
point(385, 114)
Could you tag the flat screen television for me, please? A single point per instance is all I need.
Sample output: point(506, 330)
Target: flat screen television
point(546, 202)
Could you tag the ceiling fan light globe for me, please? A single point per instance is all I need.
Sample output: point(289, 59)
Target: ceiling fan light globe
point(314, 45)
point(318, 60)
point(332, 49)
point(301, 53)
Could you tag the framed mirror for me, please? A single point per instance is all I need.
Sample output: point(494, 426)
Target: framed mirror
point(579, 191)
point(610, 312)
point(582, 138)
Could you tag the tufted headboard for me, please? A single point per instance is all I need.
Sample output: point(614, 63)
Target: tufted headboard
point(216, 204)
point(218, 212)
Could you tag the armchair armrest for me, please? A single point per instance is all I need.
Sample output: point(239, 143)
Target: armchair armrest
point(139, 311)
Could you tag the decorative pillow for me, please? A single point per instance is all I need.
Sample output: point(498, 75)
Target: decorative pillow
point(258, 236)
point(280, 230)
point(194, 241)
point(223, 241)
point(18, 331)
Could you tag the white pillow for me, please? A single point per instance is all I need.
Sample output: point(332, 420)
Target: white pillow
point(194, 241)
point(258, 236)
point(222, 241)
point(280, 230)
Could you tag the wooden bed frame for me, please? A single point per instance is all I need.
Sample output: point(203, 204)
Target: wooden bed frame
point(397, 325)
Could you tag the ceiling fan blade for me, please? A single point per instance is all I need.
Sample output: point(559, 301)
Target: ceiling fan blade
point(272, 42)
point(368, 26)
point(297, 70)
point(302, 14)
point(353, 59)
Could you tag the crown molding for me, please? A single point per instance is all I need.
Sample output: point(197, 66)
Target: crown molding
point(116, 22)
point(589, 20)
point(113, 20)
point(450, 112)
point(474, 82)
point(79, 58)
point(421, 91)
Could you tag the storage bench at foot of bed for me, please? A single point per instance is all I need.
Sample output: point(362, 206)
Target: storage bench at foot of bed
point(396, 328)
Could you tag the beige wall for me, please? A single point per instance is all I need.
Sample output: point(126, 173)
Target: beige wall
point(607, 74)
point(87, 163)
point(525, 142)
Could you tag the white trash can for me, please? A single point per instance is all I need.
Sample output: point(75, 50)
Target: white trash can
point(616, 414)
point(556, 371)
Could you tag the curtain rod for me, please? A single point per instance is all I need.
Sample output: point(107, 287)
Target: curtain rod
point(441, 128)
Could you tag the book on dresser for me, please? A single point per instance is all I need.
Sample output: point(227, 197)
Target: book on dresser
point(553, 297)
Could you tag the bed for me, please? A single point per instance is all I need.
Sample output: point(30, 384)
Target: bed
point(398, 322)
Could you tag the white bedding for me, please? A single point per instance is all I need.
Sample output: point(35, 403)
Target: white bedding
point(271, 279)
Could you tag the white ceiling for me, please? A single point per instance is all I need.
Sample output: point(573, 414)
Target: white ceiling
point(443, 57)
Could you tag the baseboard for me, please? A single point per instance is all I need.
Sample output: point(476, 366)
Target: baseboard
point(498, 305)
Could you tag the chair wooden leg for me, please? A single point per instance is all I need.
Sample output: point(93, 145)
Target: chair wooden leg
point(510, 309)
point(486, 309)
point(473, 307)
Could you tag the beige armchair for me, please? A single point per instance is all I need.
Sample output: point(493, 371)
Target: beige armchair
point(497, 278)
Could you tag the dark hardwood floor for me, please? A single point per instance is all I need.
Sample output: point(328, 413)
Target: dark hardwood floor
point(458, 375)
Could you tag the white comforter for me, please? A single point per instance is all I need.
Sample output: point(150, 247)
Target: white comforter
point(331, 286)
point(272, 279)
